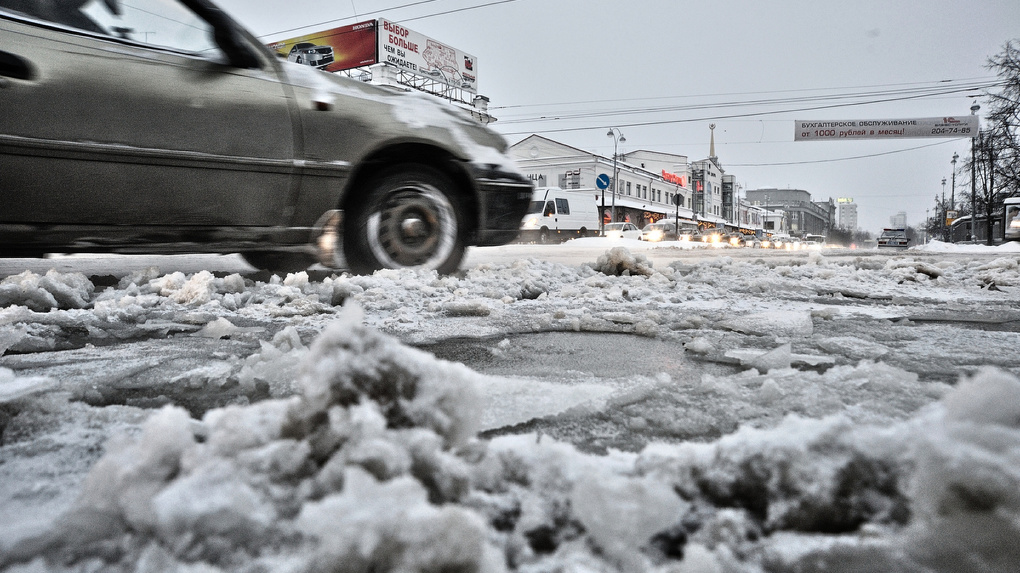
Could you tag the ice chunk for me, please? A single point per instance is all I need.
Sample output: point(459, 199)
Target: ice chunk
point(42, 293)
point(621, 514)
point(12, 387)
point(619, 261)
point(350, 362)
point(778, 323)
point(222, 328)
point(372, 523)
point(966, 491)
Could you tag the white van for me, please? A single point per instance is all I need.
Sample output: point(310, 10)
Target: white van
point(556, 215)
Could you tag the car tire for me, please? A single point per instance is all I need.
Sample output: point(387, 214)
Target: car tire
point(409, 217)
point(278, 262)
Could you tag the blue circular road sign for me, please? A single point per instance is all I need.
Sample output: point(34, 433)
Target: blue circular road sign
point(602, 182)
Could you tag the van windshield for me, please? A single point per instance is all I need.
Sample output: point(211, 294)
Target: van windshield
point(536, 207)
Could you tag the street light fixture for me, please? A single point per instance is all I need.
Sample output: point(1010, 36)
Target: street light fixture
point(618, 138)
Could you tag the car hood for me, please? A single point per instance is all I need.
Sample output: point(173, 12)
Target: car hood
point(404, 115)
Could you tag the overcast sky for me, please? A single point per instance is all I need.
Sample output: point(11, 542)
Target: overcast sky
point(663, 70)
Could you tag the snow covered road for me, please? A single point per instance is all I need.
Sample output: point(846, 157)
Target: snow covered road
point(650, 408)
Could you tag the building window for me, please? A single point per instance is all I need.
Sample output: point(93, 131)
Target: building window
point(628, 188)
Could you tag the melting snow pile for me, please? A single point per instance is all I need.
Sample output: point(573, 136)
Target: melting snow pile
point(374, 466)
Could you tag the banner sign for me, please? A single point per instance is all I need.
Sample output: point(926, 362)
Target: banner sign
point(834, 130)
point(333, 50)
point(418, 54)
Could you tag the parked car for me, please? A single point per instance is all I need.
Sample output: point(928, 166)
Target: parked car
point(622, 231)
point(893, 239)
point(659, 231)
point(311, 55)
point(167, 128)
point(555, 215)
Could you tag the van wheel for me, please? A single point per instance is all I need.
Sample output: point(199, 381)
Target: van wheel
point(544, 236)
point(407, 219)
point(583, 232)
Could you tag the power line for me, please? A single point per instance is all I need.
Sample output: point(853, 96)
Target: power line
point(402, 6)
point(799, 90)
point(838, 159)
point(929, 92)
point(743, 115)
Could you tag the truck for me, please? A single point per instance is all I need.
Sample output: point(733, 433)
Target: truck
point(556, 215)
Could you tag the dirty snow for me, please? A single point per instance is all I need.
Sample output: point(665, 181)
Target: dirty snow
point(813, 412)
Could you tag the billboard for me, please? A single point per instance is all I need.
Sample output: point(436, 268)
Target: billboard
point(835, 130)
point(333, 50)
point(418, 54)
point(382, 41)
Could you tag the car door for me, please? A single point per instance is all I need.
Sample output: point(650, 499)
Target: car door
point(137, 118)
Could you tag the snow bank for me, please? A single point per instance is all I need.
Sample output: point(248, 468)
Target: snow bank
point(373, 465)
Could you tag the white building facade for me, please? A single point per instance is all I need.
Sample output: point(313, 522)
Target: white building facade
point(847, 215)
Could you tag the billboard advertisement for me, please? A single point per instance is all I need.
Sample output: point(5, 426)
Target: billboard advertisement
point(333, 50)
point(835, 130)
point(418, 54)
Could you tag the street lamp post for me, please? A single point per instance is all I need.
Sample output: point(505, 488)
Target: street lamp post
point(618, 138)
point(952, 196)
point(973, 178)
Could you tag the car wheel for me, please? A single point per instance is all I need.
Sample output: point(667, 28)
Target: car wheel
point(407, 219)
point(544, 236)
point(299, 60)
point(278, 262)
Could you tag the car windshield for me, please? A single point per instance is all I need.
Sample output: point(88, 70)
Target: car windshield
point(616, 226)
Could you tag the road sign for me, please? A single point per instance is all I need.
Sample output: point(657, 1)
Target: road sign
point(602, 182)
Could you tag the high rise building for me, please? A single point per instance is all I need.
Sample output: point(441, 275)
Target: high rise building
point(847, 215)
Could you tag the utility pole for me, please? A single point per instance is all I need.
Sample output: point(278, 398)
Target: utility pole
point(973, 177)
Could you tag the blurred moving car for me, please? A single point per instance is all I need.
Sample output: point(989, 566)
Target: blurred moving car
point(713, 237)
point(164, 127)
point(735, 240)
point(780, 241)
point(659, 231)
point(622, 231)
point(893, 238)
point(311, 55)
